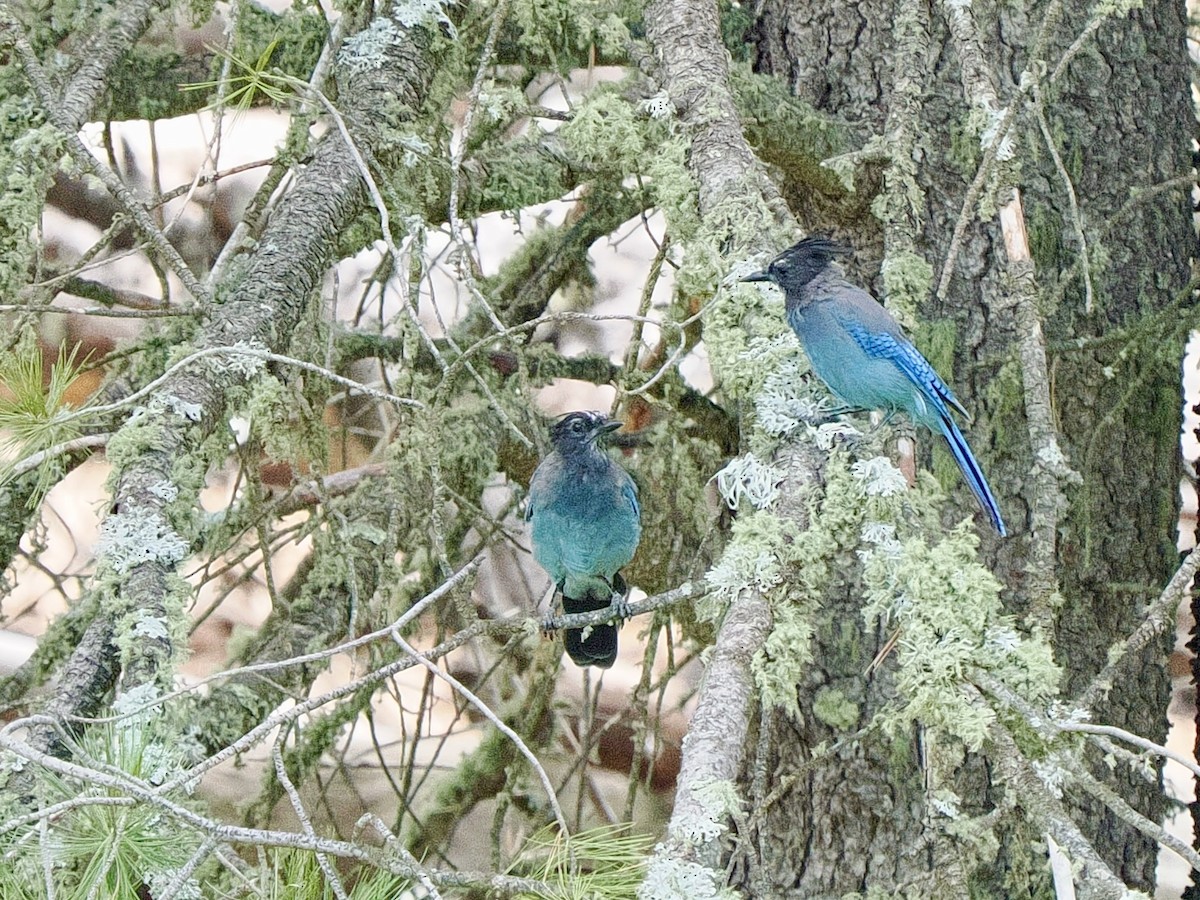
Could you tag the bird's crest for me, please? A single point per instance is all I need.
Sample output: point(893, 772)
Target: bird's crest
point(799, 264)
point(581, 427)
point(810, 253)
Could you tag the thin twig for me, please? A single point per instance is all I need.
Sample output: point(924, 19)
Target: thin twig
point(1158, 618)
point(496, 721)
point(237, 350)
point(1126, 813)
point(46, 851)
point(124, 783)
point(394, 251)
point(1131, 738)
point(83, 157)
point(395, 845)
point(103, 312)
point(31, 462)
point(185, 872)
point(316, 656)
point(1039, 109)
point(331, 875)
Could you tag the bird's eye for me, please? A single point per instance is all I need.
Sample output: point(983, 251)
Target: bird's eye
point(577, 425)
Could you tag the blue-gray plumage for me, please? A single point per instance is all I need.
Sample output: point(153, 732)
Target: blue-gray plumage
point(859, 351)
point(585, 520)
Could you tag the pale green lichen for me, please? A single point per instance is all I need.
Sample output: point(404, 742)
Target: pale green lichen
point(747, 340)
point(832, 707)
point(142, 432)
point(717, 800)
point(786, 400)
point(28, 154)
point(750, 562)
point(500, 103)
point(135, 704)
point(412, 13)
point(562, 30)
point(903, 201)
point(671, 878)
point(135, 536)
point(946, 605)
point(750, 479)
point(134, 627)
point(673, 187)
point(907, 281)
point(606, 133)
point(879, 477)
point(780, 663)
point(183, 408)
point(147, 626)
point(164, 490)
point(1106, 8)
point(281, 425)
point(807, 559)
point(659, 106)
point(368, 50)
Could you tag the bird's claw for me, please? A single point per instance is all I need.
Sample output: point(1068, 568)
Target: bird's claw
point(621, 607)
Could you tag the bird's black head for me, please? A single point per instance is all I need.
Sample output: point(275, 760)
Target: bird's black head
point(578, 431)
point(800, 263)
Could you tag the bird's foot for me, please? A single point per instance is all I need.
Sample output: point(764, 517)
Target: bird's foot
point(548, 626)
point(823, 414)
point(621, 607)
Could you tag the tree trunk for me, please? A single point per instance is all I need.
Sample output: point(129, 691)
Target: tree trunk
point(1120, 119)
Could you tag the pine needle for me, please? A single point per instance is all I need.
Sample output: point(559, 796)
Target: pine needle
point(253, 79)
point(608, 862)
point(32, 407)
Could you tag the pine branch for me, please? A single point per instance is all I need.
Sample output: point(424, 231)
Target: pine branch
point(266, 306)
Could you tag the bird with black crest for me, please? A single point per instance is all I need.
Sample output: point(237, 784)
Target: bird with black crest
point(859, 351)
point(585, 523)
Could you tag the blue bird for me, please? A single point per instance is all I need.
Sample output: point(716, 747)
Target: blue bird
point(859, 351)
point(585, 520)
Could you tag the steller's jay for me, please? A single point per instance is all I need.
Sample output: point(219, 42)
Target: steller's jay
point(858, 350)
point(585, 516)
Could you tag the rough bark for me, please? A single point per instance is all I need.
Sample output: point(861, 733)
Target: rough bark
point(281, 274)
point(736, 201)
point(1122, 122)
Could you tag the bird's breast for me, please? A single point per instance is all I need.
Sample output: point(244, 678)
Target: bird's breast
point(585, 522)
point(850, 372)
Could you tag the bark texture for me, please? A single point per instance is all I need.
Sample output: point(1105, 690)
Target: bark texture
point(266, 306)
point(1121, 121)
point(734, 197)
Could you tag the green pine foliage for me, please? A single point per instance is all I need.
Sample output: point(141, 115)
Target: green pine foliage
point(35, 413)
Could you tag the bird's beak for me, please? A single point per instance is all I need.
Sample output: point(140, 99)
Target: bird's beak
point(601, 431)
point(764, 275)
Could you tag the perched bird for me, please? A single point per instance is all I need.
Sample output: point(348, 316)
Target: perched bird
point(858, 350)
point(586, 525)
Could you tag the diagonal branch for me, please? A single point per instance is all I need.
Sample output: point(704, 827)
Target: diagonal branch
point(743, 214)
point(277, 284)
point(89, 82)
point(83, 157)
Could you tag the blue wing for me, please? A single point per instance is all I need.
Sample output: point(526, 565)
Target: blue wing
point(916, 367)
point(630, 493)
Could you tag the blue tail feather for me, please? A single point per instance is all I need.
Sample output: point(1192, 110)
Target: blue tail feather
point(971, 471)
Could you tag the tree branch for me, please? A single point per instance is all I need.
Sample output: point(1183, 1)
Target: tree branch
point(265, 307)
point(742, 213)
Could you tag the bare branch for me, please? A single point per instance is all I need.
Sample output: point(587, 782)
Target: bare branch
point(1159, 617)
point(84, 158)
